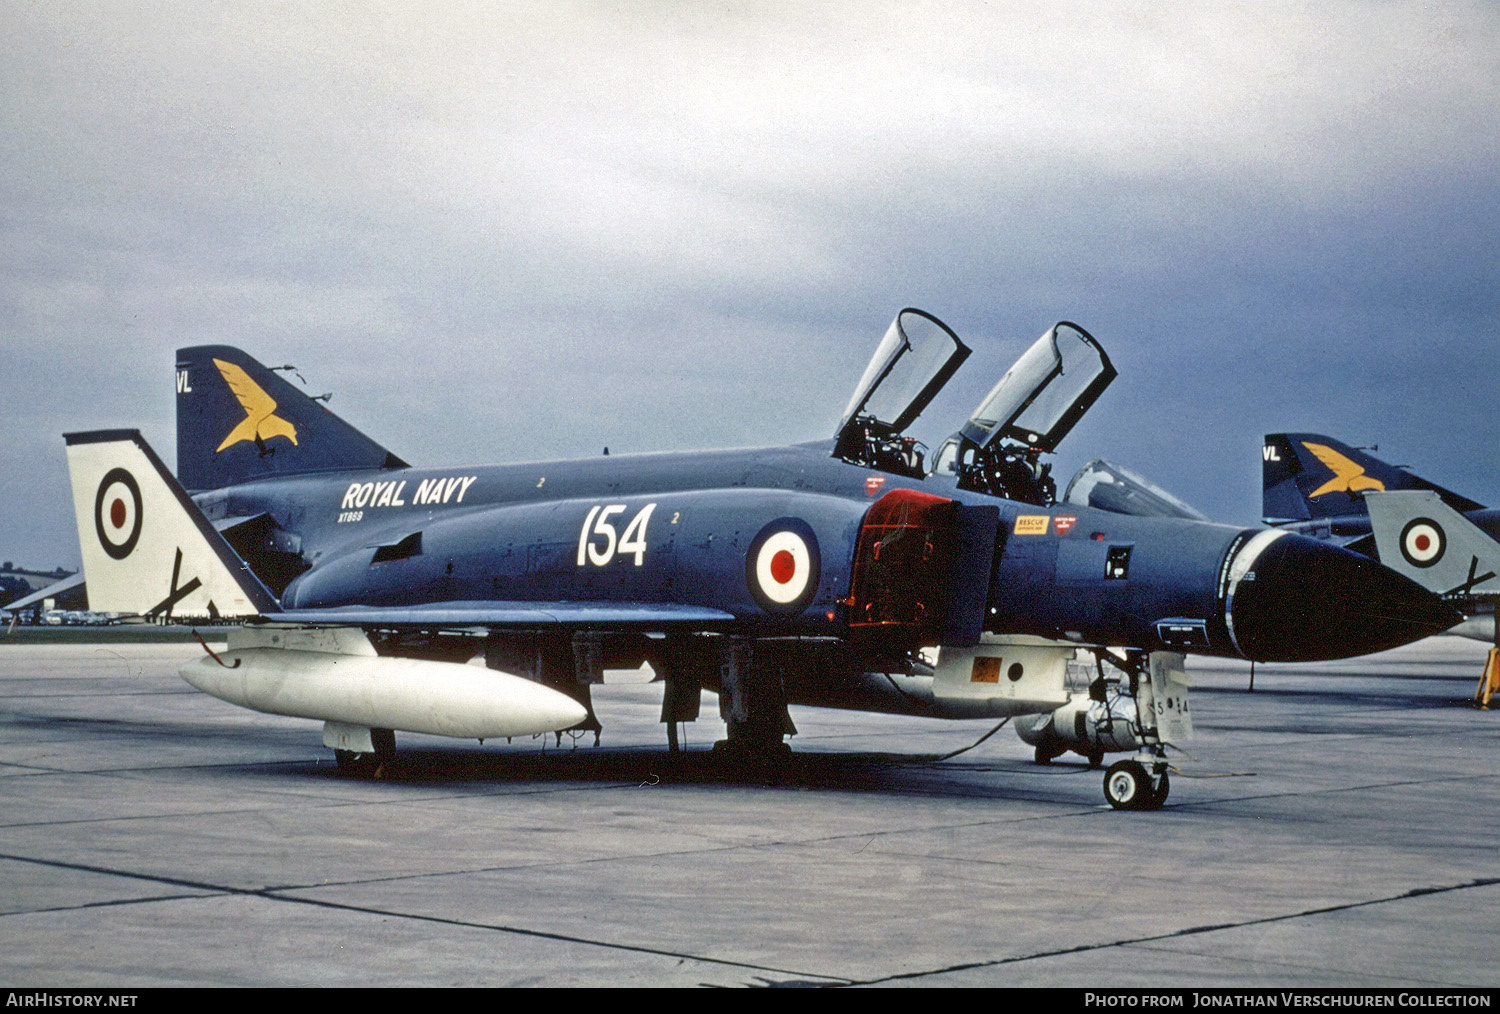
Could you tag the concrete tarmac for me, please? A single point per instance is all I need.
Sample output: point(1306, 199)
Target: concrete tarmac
point(1335, 828)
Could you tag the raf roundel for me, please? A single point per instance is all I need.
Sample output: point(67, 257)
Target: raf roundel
point(1423, 542)
point(782, 566)
point(117, 513)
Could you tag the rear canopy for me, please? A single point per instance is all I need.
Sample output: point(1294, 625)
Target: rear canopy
point(1045, 393)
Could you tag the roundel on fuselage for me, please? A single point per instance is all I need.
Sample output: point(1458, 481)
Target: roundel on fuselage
point(117, 513)
point(782, 566)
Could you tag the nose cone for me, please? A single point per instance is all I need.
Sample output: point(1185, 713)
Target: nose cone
point(1302, 600)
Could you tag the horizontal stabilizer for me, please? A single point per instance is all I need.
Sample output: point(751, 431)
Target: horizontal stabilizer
point(52, 591)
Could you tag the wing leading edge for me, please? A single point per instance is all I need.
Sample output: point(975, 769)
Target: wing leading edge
point(510, 614)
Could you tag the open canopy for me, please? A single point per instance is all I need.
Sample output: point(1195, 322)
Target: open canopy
point(915, 359)
point(1045, 393)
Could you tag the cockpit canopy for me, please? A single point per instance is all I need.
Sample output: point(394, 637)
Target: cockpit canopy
point(1045, 393)
point(917, 356)
point(1111, 487)
point(1027, 413)
point(914, 360)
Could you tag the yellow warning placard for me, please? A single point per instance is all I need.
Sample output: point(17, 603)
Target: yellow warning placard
point(986, 670)
point(1032, 524)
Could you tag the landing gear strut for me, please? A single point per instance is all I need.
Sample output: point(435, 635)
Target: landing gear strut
point(369, 765)
point(752, 702)
point(1140, 782)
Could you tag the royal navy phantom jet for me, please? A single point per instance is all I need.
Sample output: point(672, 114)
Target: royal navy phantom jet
point(1442, 540)
point(823, 573)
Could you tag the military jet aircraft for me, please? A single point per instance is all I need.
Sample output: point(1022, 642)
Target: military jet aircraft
point(1442, 540)
point(809, 574)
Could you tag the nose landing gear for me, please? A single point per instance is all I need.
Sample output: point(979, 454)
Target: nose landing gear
point(1140, 782)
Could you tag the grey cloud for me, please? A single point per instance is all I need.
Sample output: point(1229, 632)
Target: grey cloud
point(497, 232)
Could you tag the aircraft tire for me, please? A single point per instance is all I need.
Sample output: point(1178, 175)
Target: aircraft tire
point(1127, 786)
point(385, 743)
point(1160, 796)
point(355, 765)
point(1048, 751)
point(369, 765)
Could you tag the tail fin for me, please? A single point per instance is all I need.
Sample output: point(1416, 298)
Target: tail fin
point(238, 420)
point(1307, 476)
point(1419, 536)
point(147, 548)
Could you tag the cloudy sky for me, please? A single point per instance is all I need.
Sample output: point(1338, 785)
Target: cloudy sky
point(516, 231)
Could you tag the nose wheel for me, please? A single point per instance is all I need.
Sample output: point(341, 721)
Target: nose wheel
point(1132, 785)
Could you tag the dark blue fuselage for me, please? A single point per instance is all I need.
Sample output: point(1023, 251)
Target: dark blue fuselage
point(554, 532)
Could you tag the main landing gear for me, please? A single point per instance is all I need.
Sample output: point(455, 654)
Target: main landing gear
point(752, 702)
point(375, 764)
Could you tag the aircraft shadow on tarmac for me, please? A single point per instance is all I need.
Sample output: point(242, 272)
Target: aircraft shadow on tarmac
point(855, 772)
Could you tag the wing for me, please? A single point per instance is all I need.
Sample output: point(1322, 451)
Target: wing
point(655, 615)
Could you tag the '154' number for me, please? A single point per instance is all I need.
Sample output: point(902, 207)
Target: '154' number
point(598, 526)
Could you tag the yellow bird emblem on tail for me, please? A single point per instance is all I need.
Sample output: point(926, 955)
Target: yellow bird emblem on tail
point(261, 422)
point(1347, 476)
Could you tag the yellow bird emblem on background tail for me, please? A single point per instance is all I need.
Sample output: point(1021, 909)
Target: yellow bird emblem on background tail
point(261, 421)
point(1347, 476)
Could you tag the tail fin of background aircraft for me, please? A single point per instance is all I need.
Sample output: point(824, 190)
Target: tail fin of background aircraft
point(1420, 537)
point(146, 547)
point(238, 420)
point(1307, 476)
